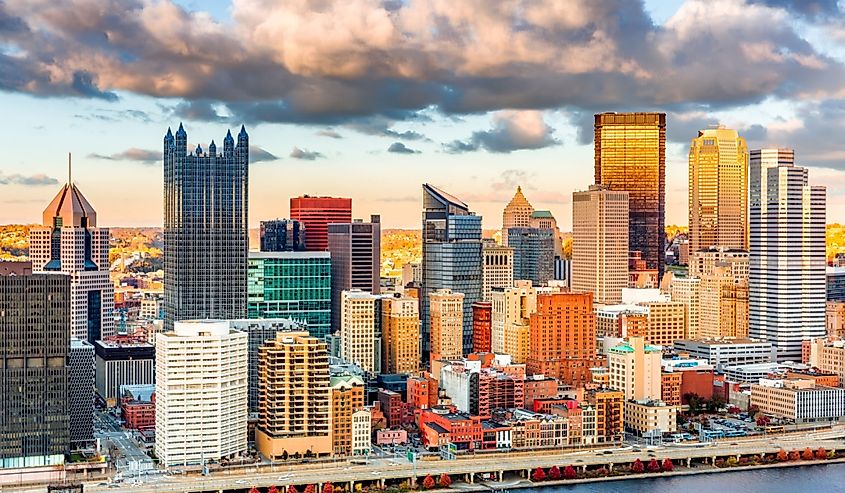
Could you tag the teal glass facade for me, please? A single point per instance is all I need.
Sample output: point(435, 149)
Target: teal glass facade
point(295, 285)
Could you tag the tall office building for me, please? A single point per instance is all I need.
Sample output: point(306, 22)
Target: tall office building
point(282, 235)
point(446, 325)
point(201, 392)
point(510, 328)
point(497, 271)
point(718, 190)
point(80, 393)
point(359, 344)
point(563, 338)
point(294, 397)
point(316, 213)
point(723, 292)
point(70, 242)
point(451, 257)
point(630, 156)
point(347, 399)
point(355, 248)
point(545, 220)
point(34, 343)
point(400, 333)
point(294, 285)
point(533, 254)
point(482, 326)
point(687, 290)
point(600, 243)
point(634, 369)
point(786, 285)
point(517, 214)
point(205, 229)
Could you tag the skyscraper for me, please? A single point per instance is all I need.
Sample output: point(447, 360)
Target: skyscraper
point(358, 322)
point(718, 190)
point(451, 257)
point(517, 214)
point(34, 344)
point(70, 242)
point(600, 243)
point(497, 271)
point(510, 327)
point(282, 235)
point(630, 156)
point(205, 229)
point(400, 331)
point(533, 254)
point(786, 284)
point(446, 324)
point(355, 249)
point(80, 393)
point(546, 220)
point(316, 213)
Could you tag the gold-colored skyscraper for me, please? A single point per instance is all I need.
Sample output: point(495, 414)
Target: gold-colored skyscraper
point(630, 155)
point(400, 327)
point(718, 190)
point(517, 214)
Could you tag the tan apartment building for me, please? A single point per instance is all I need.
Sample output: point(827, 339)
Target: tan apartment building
point(496, 268)
point(835, 318)
point(447, 319)
point(667, 322)
point(358, 328)
point(294, 398)
point(510, 328)
point(687, 291)
point(400, 333)
point(347, 399)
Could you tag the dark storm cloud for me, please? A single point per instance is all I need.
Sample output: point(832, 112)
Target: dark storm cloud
point(807, 8)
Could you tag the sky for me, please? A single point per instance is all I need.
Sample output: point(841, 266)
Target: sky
point(371, 98)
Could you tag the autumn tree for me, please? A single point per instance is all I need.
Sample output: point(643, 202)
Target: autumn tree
point(445, 481)
point(254, 490)
point(569, 472)
point(428, 482)
point(554, 473)
point(292, 489)
point(653, 466)
point(821, 453)
point(538, 474)
point(808, 454)
point(273, 489)
point(637, 466)
point(782, 455)
point(794, 455)
point(328, 488)
point(668, 466)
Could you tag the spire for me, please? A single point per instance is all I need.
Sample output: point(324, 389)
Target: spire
point(228, 137)
point(212, 149)
point(243, 130)
point(169, 134)
point(181, 132)
point(519, 201)
point(69, 169)
point(199, 150)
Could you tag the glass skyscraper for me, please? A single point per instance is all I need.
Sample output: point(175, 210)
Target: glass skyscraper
point(282, 235)
point(294, 285)
point(533, 254)
point(452, 257)
point(630, 156)
point(205, 229)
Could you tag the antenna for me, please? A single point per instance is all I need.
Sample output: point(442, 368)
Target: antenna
point(69, 175)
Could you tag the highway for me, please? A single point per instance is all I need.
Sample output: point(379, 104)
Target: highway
point(302, 474)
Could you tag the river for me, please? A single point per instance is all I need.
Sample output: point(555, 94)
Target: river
point(828, 478)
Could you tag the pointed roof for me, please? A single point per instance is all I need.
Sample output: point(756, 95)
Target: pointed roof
point(519, 201)
point(181, 131)
point(71, 206)
point(446, 199)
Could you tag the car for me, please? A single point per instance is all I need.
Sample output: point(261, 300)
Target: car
point(240, 481)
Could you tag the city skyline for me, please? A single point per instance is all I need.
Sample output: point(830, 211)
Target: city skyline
point(476, 139)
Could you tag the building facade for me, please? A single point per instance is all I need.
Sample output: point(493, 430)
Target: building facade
point(600, 243)
point(400, 334)
point(630, 155)
point(635, 369)
point(206, 197)
point(723, 352)
point(81, 391)
point(452, 259)
point(482, 326)
point(687, 290)
point(497, 271)
point(282, 235)
point(786, 285)
point(316, 213)
point(800, 400)
point(200, 362)
point(447, 321)
point(294, 285)
point(517, 214)
point(718, 190)
point(533, 254)
point(347, 399)
point(510, 328)
point(119, 362)
point(359, 344)
point(355, 249)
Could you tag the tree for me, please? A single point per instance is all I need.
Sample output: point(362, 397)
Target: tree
point(715, 403)
point(297, 455)
point(782, 455)
point(694, 400)
point(273, 489)
point(328, 488)
point(292, 489)
point(285, 455)
point(428, 482)
point(539, 474)
point(668, 466)
point(445, 481)
point(821, 453)
point(569, 472)
point(554, 473)
point(763, 420)
point(794, 455)
point(254, 490)
point(637, 467)
point(808, 454)
point(653, 466)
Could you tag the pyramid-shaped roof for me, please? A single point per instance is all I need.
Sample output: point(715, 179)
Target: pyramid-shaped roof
point(519, 201)
point(71, 206)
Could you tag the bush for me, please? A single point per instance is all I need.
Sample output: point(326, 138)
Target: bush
point(428, 482)
point(782, 456)
point(554, 473)
point(445, 481)
point(668, 466)
point(731, 461)
point(808, 454)
point(328, 488)
point(602, 471)
point(538, 474)
point(821, 453)
point(794, 455)
point(653, 466)
point(310, 489)
point(273, 489)
point(719, 463)
point(569, 472)
point(637, 467)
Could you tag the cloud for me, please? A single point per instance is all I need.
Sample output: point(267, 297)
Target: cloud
point(329, 133)
point(257, 155)
point(510, 179)
point(38, 179)
point(305, 154)
point(337, 62)
point(145, 156)
point(381, 126)
point(511, 131)
point(400, 148)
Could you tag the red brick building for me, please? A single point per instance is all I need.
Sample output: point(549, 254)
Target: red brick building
point(139, 415)
point(316, 213)
point(422, 392)
point(440, 426)
point(539, 387)
point(482, 326)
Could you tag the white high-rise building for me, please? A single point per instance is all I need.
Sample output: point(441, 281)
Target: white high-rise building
point(358, 329)
point(510, 320)
point(686, 290)
point(786, 285)
point(201, 392)
point(634, 369)
point(497, 269)
point(599, 243)
point(70, 242)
